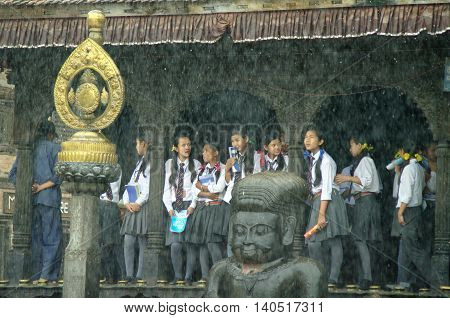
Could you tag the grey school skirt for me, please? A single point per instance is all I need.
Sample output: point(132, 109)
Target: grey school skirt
point(134, 223)
point(366, 223)
point(208, 224)
point(336, 217)
point(172, 237)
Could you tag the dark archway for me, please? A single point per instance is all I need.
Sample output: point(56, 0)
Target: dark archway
point(212, 117)
point(386, 117)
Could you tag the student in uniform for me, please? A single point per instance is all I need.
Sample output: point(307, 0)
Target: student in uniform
point(328, 208)
point(46, 229)
point(136, 194)
point(180, 174)
point(245, 161)
point(272, 159)
point(366, 222)
point(245, 158)
point(207, 227)
point(112, 263)
point(409, 214)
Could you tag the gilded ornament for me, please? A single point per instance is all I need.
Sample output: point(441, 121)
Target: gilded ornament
point(104, 97)
point(87, 98)
point(70, 97)
point(83, 58)
point(88, 156)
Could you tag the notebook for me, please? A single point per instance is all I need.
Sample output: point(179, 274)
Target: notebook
point(133, 192)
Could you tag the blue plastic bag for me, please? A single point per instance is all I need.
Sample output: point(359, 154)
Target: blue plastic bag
point(178, 221)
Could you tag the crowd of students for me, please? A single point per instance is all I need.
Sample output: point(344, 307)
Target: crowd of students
point(197, 197)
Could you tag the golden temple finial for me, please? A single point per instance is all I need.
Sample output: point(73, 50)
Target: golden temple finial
point(89, 95)
point(96, 22)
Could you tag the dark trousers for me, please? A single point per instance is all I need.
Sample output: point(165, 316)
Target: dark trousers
point(412, 248)
point(46, 242)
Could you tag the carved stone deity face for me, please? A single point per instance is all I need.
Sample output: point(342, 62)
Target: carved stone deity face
point(258, 237)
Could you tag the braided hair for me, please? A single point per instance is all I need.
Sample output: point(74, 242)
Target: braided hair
point(275, 135)
point(365, 152)
point(249, 160)
point(143, 136)
point(214, 148)
point(174, 165)
point(320, 137)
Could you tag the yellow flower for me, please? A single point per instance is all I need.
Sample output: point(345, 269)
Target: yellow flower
point(406, 156)
point(367, 146)
point(173, 149)
point(418, 157)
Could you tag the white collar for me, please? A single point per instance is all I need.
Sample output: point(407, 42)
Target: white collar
point(185, 161)
point(316, 156)
point(271, 160)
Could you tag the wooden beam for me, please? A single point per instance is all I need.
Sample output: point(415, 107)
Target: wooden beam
point(186, 8)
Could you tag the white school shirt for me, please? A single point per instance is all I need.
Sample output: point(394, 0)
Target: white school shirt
point(230, 185)
point(169, 196)
point(431, 185)
point(346, 185)
point(412, 183)
point(368, 174)
point(258, 168)
point(218, 186)
point(396, 185)
point(115, 188)
point(328, 169)
point(143, 183)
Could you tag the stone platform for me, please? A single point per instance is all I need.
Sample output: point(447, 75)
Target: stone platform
point(146, 291)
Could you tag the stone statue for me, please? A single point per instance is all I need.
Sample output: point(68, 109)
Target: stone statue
point(262, 227)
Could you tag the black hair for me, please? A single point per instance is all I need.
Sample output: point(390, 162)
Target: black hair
point(409, 146)
point(320, 136)
point(359, 139)
point(275, 134)
point(174, 166)
point(143, 136)
point(215, 148)
point(45, 128)
point(249, 160)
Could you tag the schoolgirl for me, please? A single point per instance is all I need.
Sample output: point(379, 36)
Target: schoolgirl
point(366, 221)
point(207, 227)
point(246, 157)
point(180, 174)
point(328, 208)
point(272, 159)
point(112, 259)
point(244, 161)
point(136, 194)
point(409, 215)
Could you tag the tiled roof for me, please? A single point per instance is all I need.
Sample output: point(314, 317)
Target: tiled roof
point(64, 2)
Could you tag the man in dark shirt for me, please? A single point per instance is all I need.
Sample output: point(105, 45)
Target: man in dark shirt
point(46, 232)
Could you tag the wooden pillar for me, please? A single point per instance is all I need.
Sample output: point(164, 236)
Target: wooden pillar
point(4, 245)
point(20, 255)
point(441, 256)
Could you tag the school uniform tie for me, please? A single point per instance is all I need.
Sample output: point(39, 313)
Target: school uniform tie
point(180, 183)
point(309, 176)
point(272, 165)
point(109, 193)
point(238, 174)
